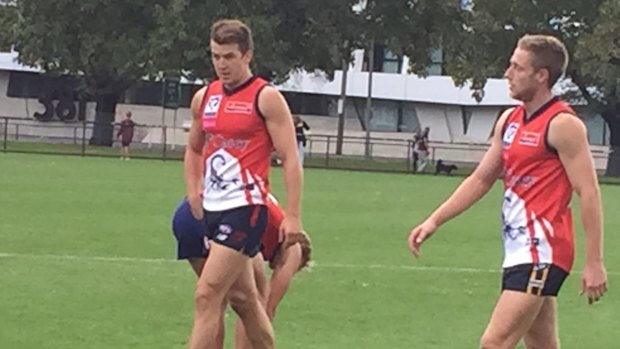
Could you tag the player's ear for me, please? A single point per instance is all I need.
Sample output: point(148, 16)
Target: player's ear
point(247, 56)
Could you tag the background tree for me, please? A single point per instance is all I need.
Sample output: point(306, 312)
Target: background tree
point(480, 42)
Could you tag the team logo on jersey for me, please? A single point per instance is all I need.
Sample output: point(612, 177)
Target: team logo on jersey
point(511, 132)
point(213, 105)
point(238, 107)
point(529, 138)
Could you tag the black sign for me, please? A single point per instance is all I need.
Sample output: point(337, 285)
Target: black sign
point(65, 109)
point(171, 93)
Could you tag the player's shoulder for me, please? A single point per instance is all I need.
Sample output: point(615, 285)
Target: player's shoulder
point(271, 102)
point(268, 92)
point(506, 114)
point(567, 125)
point(197, 98)
point(501, 121)
point(566, 132)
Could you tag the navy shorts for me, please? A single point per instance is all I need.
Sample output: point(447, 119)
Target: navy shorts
point(536, 279)
point(239, 228)
point(189, 232)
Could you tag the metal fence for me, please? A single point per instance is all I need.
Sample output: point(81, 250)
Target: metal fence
point(26, 135)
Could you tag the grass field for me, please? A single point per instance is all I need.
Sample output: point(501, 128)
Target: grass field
point(87, 261)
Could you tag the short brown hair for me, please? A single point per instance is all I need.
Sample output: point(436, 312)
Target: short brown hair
point(548, 52)
point(232, 31)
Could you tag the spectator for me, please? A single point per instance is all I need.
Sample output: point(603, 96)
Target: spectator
point(125, 135)
point(420, 150)
point(300, 131)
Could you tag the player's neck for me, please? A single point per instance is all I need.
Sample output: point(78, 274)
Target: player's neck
point(537, 102)
point(247, 75)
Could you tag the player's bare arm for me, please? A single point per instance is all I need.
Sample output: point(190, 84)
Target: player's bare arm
point(193, 162)
point(469, 191)
point(282, 277)
point(282, 131)
point(568, 135)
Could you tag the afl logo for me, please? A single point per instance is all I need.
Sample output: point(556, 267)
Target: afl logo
point(213, 104)
point(511, 132)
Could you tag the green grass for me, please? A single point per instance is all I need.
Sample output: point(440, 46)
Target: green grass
point(77, 149)
point(356, 163)
point(59, 215)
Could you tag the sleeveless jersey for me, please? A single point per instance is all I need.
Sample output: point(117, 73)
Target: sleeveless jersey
point(536, 214)
point(238, 151)
point(269, 241)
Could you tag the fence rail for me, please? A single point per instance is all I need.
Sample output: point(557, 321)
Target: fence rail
point(168, 143)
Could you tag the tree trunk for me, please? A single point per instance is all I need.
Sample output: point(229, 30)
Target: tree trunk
point(103, 130)
point(613, 162)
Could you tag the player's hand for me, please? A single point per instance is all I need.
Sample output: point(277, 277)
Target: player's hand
point(195, 203)
point(594, 281)
point(290, 225)
point(420, 234)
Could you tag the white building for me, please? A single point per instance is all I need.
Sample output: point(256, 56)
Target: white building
point(402, 102)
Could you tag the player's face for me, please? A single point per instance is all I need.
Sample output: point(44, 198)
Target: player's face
point(231, 66)
point(524, 81)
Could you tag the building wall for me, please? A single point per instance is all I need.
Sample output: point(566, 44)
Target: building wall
point(449, 123)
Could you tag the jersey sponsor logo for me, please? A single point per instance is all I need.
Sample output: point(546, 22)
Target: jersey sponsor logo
point(238, 107)
point(531, 139)
point(511, 132)
point(513, 180)
point(220, 142)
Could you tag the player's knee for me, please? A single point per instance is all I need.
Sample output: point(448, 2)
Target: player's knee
point(207, 296)
point(491, 341)
point(535, 343)
point(237, 299)
point(244, 302)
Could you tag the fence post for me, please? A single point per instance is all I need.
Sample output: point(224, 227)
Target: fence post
point(84, 138)
point(17, 132)
point(329, 138)
point(165, 140)
point(5, 134)
point(409, 147)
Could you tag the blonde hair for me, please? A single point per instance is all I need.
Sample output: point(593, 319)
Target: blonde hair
point(548, 53)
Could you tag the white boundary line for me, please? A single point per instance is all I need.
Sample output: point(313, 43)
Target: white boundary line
point(113, 259)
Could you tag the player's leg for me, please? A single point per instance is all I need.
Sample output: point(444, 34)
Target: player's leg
point(193, 245)
point(249, 306)
point(241, 339)
point(197, 264)
point(423, 161)
point(543, 334)
point(513, 315)
point(222, 268)
point(526, 289)
point(544, 331)
point(301, 152)
point(236, 234)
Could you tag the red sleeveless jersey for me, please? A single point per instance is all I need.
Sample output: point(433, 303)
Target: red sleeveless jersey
point(537, 219)
point(269, 241)
point(238, 151)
